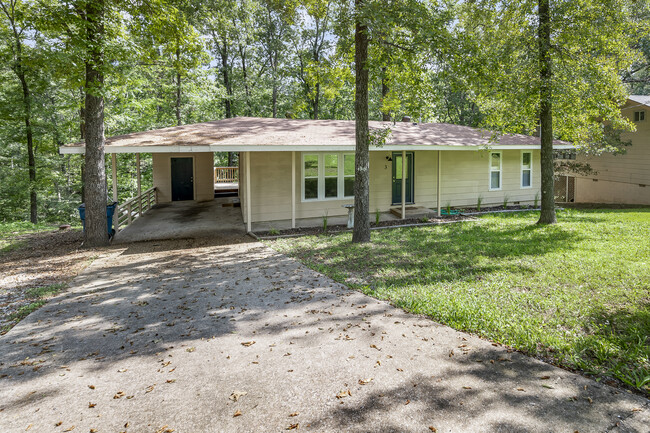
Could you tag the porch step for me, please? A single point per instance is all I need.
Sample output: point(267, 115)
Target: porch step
point(412, 211)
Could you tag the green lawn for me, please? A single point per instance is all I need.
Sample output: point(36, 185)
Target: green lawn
point(10, 231)
point(577, 293)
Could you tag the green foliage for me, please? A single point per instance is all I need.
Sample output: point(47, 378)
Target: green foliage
point(506, 199)
point(325, 223)
point(45, 292)
point(377, 216)
point(591, 43)
point(479, 200)
point(507, 280)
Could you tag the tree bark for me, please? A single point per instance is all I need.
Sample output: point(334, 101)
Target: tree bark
point(361, 232)
point(178, 87)
point(96, 233)
point(385, 115)
point(547, 214)
point(19, 69)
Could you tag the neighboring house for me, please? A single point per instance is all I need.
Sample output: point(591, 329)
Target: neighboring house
point(623, 178)
point(305, 168)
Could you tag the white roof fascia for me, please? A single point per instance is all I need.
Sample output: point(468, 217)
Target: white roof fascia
point(300, 148)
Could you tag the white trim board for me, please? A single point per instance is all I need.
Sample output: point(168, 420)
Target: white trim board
point(306, 148)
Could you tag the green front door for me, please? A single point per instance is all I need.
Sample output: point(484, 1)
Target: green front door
point(398, 178)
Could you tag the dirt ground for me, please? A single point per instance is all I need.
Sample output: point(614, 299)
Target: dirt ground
point(40, 260)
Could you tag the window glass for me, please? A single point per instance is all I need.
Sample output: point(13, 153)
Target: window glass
point(348, 186)
point(398, 167)
point(311, 188)
point(311, 165)
point(331, 165)
point(526, 159)
point(525, 178)
point(495, 181)
point(496, 161)
point(331, 187)
point(348, 165)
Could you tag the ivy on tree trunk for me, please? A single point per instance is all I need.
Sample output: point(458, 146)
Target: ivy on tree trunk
point(361, 231)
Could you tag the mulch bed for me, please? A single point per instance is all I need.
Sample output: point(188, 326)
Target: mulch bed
point(305, 231)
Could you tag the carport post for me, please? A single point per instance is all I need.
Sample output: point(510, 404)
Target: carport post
point(248, 191)
point(293, 190)
point(438, 185)
point(403, 184)
point(137, 165)
point(116, 213)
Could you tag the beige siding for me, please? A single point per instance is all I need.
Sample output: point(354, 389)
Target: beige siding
point(621, 178)
point(203, 175)
point(465, 175)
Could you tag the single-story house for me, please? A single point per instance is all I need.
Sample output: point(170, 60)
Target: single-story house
point(623, 178)
point(305, 168)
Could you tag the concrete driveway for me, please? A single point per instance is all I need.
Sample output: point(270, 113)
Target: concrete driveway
point(187, 336)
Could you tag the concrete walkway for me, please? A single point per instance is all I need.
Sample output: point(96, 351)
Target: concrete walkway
point(192, 337)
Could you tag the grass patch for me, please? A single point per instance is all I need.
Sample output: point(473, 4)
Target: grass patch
point(9, 232)
point(577, 292)
point(21, 313)
point(45, 291)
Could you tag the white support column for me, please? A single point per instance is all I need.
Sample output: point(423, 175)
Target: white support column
point(438, 185)
point(114, 167)
point(116, 212)
point(403, 184)
point(137, 164)
point(293, 190)
point(248, 191)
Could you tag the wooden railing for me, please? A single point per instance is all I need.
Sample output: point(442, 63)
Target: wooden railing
point(226, 174)
point(134, 208)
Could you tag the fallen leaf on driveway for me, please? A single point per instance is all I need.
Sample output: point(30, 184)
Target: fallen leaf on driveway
point(365, 381)
point(293, 427)
point(149, 388)
point(248, 343)
point(293, 414)
point(432, 428)
point(344, 394)
point(238, 413)
point(467, 387)
point(119, 394)
point(122, 370)
point(236, 395)
point(545, 377)
point(190, 349)
point(69, 428)
point(91, 386)
point(165, 429)
point(91, 405)
point(548, 386)
point(372, 346)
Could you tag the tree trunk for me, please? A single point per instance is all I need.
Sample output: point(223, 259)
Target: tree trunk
point(226, 81)
point(547, 214)
point(385, 115)
point(361, 231)
point(19, 70)
point(96, 233)
point(316, 101)
point(275, 98)
point(178, 87)
point(249, 110)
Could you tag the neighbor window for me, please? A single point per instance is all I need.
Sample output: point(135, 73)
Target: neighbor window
point(495, 170)
point(639, 116)
point(310, 175)
point(526, 169)
point(328, 176)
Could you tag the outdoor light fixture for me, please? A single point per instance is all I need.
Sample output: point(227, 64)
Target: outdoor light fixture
point(388, 158)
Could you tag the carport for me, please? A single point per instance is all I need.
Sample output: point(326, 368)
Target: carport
point(186, 220)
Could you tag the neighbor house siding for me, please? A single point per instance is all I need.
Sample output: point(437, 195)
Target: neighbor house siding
point(465, 175)
point(620, 178)
point(203, 175)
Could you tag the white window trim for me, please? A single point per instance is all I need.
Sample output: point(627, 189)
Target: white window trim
point(641, 114)
point(521, 170)
point(321, 177)
point(500, 170)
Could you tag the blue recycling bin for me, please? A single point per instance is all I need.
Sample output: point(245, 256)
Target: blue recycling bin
point(110, 210)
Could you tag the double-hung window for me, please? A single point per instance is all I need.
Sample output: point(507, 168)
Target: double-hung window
point(526, 169)
point(495, 171)
point(327, 176)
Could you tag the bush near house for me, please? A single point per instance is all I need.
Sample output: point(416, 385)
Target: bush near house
point(576, 293)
